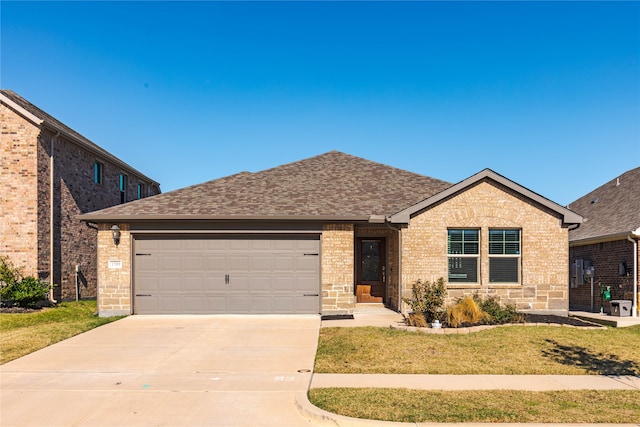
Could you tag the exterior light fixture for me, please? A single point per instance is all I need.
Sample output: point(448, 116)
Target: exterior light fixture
point(115, 232)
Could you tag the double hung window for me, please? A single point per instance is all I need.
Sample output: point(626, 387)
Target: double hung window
point(123, 188)
point(504, 256)
point(463, 251)
point(97, 172)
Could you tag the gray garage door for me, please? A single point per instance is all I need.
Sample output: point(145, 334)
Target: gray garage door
point(184, 275)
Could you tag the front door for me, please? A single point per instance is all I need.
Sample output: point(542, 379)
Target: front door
point(371, 266)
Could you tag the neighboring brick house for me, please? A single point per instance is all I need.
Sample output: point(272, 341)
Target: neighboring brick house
point(49, 174)
point(322, 234)
point(608, 242)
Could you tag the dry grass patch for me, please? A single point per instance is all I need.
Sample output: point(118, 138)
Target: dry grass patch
point(500, 406)
point(24, 333)
point(505, 351)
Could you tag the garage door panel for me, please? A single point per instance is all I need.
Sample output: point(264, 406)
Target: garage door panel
point(306, 264)
point(170, 284)
point(193, 263)
point(260, 263)
point(226, 275)
point(238, 263)
point(168, 264)
point(306, 285)
point(282, 283)
point(283, 263)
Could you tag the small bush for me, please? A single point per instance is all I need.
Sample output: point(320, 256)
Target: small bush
point(18, 290)
point(465, 312)
point(427, 299)
point(498, 314)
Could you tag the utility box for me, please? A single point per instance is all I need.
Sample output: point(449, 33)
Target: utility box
point(620, 307)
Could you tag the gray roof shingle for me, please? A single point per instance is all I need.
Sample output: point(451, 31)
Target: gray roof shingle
point(611, 209)
point(331, 185)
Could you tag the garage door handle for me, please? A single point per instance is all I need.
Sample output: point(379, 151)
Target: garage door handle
point(143, 254)
point(226, 279)
point(316, 254)
point(311, 295)
point(143, 295)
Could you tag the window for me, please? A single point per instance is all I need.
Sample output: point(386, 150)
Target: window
point(123, 188)
point(463, 250)
point(504, 256)
point(141, 192)
point(97, 173)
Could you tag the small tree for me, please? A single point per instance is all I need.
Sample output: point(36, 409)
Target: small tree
point(427, 299)
point(18, 290)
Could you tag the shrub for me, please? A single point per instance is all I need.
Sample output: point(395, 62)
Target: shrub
point(465, 312)
point(18, 290)
point(498, 314)
point(426, 301)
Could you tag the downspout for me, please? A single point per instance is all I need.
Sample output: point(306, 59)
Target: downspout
point(51, 216)
point(635, 233)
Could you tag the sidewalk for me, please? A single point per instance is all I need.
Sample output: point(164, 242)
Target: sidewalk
point(478, 382)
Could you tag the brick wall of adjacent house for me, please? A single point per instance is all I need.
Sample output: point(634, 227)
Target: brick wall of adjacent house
point(337, 268)
point(18, 195)
point(605, 257)
point(27, 209)
point(544, 247)
point(114, 272)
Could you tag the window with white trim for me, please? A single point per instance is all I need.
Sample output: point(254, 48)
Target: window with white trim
point(463, 252)
point(504, 256)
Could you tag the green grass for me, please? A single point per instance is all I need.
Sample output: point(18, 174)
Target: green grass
point(500, 406)
point(24, 333)
point(506, 351)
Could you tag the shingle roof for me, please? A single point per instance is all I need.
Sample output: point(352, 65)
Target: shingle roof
point(331, 185)
point(56, 125)
point(609, 210)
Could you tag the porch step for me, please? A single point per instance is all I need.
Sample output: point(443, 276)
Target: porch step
point(369, 307)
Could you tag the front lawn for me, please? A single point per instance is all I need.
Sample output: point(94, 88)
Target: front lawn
point(24, 333)
point(498, 406)
point(506, 350)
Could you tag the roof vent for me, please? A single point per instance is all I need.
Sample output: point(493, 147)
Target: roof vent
point(596, 200)
point(617, 181)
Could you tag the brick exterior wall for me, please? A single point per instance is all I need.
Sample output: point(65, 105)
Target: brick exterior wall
point(337, 268)
point(25, 216)
point(114, 272)
point(605, 257)
point(18, 195)
point(544, 247)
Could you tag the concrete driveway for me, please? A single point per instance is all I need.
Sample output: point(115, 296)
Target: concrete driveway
point(166, 371)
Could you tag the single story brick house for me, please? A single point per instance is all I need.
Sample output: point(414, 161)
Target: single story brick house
point(607, 243)
point(323, 234)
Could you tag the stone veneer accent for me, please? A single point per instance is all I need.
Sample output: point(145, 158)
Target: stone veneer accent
point(544, 247)
point(114, 284)
point(337, 268)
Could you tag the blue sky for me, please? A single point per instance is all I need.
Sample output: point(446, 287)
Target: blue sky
point(545, 93)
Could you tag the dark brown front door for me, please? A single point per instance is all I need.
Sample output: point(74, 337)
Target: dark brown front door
point(371, 259)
